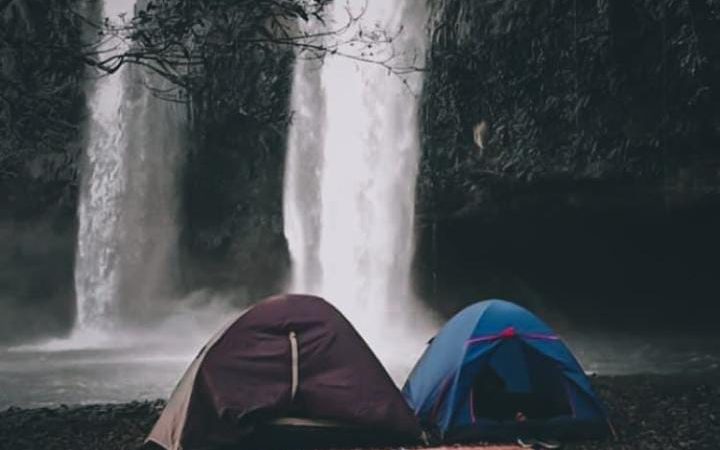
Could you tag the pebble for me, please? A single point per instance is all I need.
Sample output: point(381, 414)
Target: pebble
point(649, 412)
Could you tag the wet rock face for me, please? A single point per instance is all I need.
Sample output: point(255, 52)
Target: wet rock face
point(232, 226)
point(593, 260)
point(40, 146)
point(544, 115)
point(599, 172)
point(622, 92)
point(36, 278)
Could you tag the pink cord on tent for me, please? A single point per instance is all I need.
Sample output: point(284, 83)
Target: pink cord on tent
point(472, 405)
point(510, 332)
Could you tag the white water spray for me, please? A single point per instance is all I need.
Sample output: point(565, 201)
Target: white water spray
point(352, 165)
point(127, 207)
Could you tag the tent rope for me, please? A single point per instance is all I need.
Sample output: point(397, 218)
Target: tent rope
point(295, 371)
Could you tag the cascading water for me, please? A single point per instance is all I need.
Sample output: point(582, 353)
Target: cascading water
point(352, 165)
point(127, 207)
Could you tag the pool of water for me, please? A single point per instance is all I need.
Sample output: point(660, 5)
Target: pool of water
point(46, 378)
point(614, 353)
point(41, 377)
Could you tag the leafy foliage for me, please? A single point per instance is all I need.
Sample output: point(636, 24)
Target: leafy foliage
point(571, 90)
point(231, 61)
point(40, 102)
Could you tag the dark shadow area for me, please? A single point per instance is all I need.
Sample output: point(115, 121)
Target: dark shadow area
point(544, 397)
point(634, 266)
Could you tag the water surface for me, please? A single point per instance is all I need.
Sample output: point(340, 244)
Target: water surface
point(38, 378)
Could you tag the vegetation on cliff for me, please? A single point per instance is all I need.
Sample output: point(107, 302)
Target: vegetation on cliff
point(611, 90)
point(565, 93)
point(41, 102)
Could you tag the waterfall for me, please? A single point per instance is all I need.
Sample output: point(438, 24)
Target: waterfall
point(127, 208)
point(352, 164)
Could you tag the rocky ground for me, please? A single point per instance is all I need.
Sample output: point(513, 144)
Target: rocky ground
point(648, 412)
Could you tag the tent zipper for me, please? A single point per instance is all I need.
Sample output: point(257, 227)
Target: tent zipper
point(295, 372)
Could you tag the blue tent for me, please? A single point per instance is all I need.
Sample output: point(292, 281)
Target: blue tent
point(499, 340)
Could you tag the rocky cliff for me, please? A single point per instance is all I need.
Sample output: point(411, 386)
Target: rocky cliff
point(572, 154)
point(570, 160)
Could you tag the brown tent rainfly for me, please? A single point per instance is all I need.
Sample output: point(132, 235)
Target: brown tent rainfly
point(288, 370)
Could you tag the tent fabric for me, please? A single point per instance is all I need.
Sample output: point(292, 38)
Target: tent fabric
point(288, 356)
point(521, 350)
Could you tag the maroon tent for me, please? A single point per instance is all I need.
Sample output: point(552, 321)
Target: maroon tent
point(291, 362)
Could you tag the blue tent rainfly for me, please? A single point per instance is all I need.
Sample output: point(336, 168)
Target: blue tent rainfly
point(496, 372)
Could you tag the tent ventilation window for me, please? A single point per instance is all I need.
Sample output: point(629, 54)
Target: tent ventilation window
point(295, 372)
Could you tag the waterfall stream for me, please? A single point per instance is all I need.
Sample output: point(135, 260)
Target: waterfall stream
point(127, 209)
point(352, 164)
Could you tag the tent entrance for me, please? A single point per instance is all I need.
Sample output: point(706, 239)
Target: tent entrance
point(517, 383)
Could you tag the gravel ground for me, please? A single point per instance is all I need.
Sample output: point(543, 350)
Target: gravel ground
point(648, 412)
